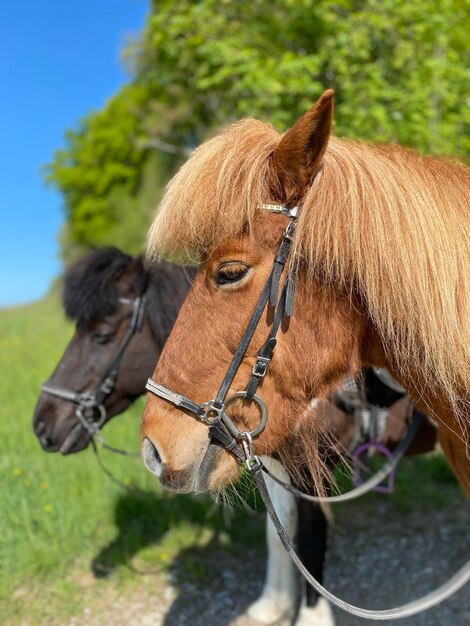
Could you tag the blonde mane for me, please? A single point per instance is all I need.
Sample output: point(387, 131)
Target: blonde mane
point(390, 224)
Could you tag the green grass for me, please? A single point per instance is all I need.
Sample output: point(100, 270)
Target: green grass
point(64, 524)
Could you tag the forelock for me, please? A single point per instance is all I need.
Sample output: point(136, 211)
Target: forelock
point(90, 290)
point(215, 194)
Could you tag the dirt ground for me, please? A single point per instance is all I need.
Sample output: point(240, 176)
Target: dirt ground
point(377, 558)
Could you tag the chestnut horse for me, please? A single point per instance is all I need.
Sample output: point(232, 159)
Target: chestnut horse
point(381, 260)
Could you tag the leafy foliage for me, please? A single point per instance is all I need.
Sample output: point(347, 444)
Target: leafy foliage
point(107, 178)
point(400, 71)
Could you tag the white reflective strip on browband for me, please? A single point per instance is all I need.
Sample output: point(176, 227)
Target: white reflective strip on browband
point(281, 209)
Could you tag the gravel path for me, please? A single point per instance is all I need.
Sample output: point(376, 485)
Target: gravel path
point(377, 559)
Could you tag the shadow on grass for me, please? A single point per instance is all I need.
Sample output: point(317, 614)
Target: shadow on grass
point(143, 521)
point(217, 560)
point(422, 481)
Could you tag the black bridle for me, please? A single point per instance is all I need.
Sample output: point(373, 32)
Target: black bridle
point(91, 402)
point(213, 412)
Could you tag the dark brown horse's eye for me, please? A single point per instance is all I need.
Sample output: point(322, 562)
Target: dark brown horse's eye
point(230, 273)
point(102, 337)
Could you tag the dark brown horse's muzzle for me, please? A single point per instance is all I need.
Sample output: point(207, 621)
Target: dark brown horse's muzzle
point(53, 422)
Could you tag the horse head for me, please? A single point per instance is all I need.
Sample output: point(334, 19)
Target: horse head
point(123, 312)
point(367, 290)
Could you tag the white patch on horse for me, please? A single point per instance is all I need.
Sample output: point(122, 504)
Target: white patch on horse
point(319, 615)
point(278, 600)
point(312, 406)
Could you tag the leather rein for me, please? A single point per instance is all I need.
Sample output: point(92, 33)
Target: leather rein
point(223, 430)
point(91, 402)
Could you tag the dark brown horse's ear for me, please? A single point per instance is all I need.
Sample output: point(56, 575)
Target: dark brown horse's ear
point(131, 281)
point(301, 150)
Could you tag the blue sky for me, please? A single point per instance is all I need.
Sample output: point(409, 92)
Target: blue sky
point(58, 61)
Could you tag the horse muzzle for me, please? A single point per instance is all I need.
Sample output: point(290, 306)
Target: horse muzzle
point(212, 469)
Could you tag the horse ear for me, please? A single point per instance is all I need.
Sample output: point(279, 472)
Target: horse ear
point(132, 279)
point(301, 149)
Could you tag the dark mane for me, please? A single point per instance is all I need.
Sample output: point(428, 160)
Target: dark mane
point(90, 284)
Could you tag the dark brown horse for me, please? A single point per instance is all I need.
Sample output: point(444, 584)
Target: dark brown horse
point(380, 257)
point(99, 292)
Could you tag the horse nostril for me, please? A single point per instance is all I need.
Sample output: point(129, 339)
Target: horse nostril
point(45, 442)
point(152, 459)
point(39, 428)
point(43, 432)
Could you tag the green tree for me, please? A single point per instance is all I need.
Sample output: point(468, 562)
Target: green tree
point(102, 164)
point(400, 70)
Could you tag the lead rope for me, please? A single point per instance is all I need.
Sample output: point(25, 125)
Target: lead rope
point(133, 491)
point(245, 455)
point(456, 582)
point(99, 437)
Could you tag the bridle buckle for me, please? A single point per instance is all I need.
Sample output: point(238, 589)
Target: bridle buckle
point(108, 385)
point(290, 230)
point(261, 366)
point(210, 408)
point(87, 400)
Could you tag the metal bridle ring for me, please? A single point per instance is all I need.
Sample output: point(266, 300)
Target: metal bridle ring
point(91, 427)
point(231, 426)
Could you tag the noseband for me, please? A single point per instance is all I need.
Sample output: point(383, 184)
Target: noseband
point(91, 402)
point(213, 412)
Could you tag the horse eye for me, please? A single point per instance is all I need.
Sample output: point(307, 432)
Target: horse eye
point(102, 337)
point(230, 273)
